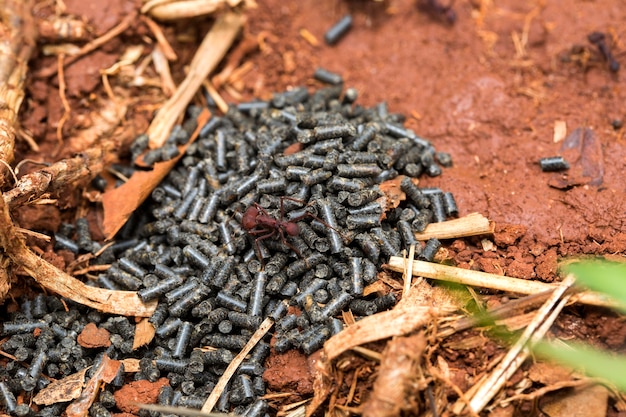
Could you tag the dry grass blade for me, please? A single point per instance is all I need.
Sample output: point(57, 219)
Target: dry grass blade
point(16, 46)
point(265, 326)
point(492, 281)
point(214, 46)
point(519, 352)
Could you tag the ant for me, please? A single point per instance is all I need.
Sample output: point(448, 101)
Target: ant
point(258, 222)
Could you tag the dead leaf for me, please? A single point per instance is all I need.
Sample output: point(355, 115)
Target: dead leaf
point(121, 202)
point(144, 333)
point(105, 373)
point(63, 390)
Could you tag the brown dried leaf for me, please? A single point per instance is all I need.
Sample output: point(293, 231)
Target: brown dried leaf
point(144, 333)
point(63, 390)
point(105, 373)
point(121, 202)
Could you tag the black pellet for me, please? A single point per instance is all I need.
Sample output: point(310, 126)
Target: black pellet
point(181, 290)
point(7, 397)
point(406, 233)
point(345, 184)
point(338, 303)
point(132, 267)
point(430, 249)
point(363, 221)
point(255, 306)
point(315, 285)
point(168, 327)
point(449, 205)
point(358, 170)
point(385, 302)
point(39, 307)
point(62, 242)
point(325, 76)
point(10, 328)
point(225, 327)
point(209, 209)
point(272, 185)
point(229, 301)
point(553, 164)
point(182, 340)
point(363, 307)
point(222, 274)
point(356, 276)
point(315, 341)
point(186, 302)
point(218, 356)
point(386, 246)
point(246, 387)
point(315, 176)
point(181, 209)
point(328, 216)
point(231, 341)
point(226, 237)
point(414, 193)
point(83, 235)
point(252, 105)
point(363, 197)
point(437, 206)
point(369, 245)
point(335, 33)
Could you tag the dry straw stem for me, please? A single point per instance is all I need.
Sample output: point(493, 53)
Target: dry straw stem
point(211, 51)
point(234, 364)
point(486, 390)
point(471, 225)
point(491, 281)
point(124, 303)
point(61, 175)
point(167, 10)
point(18, 33)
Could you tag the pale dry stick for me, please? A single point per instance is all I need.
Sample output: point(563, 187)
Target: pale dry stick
point(407, 276)
point(214, 46)
point(265, 326)
point(162, 67)
point(519, 352)
point(180, 411)
point(125, 303)
point(16, 47)
point(471, 225)
point(492, 281)
point(176, 10)
point(166, 48)
point(93, 45)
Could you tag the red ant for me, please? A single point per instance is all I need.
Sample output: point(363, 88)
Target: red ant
point(258, 222)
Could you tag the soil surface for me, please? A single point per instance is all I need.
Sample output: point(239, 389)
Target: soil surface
point(494, 88)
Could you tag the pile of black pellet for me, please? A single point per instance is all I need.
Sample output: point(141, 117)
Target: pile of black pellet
point(275, 205)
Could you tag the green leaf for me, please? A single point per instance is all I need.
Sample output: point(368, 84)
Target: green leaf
point(593, 362)
point(601, 276)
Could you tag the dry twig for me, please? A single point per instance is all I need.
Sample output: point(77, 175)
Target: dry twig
point(234, 364)
point(492, 281)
